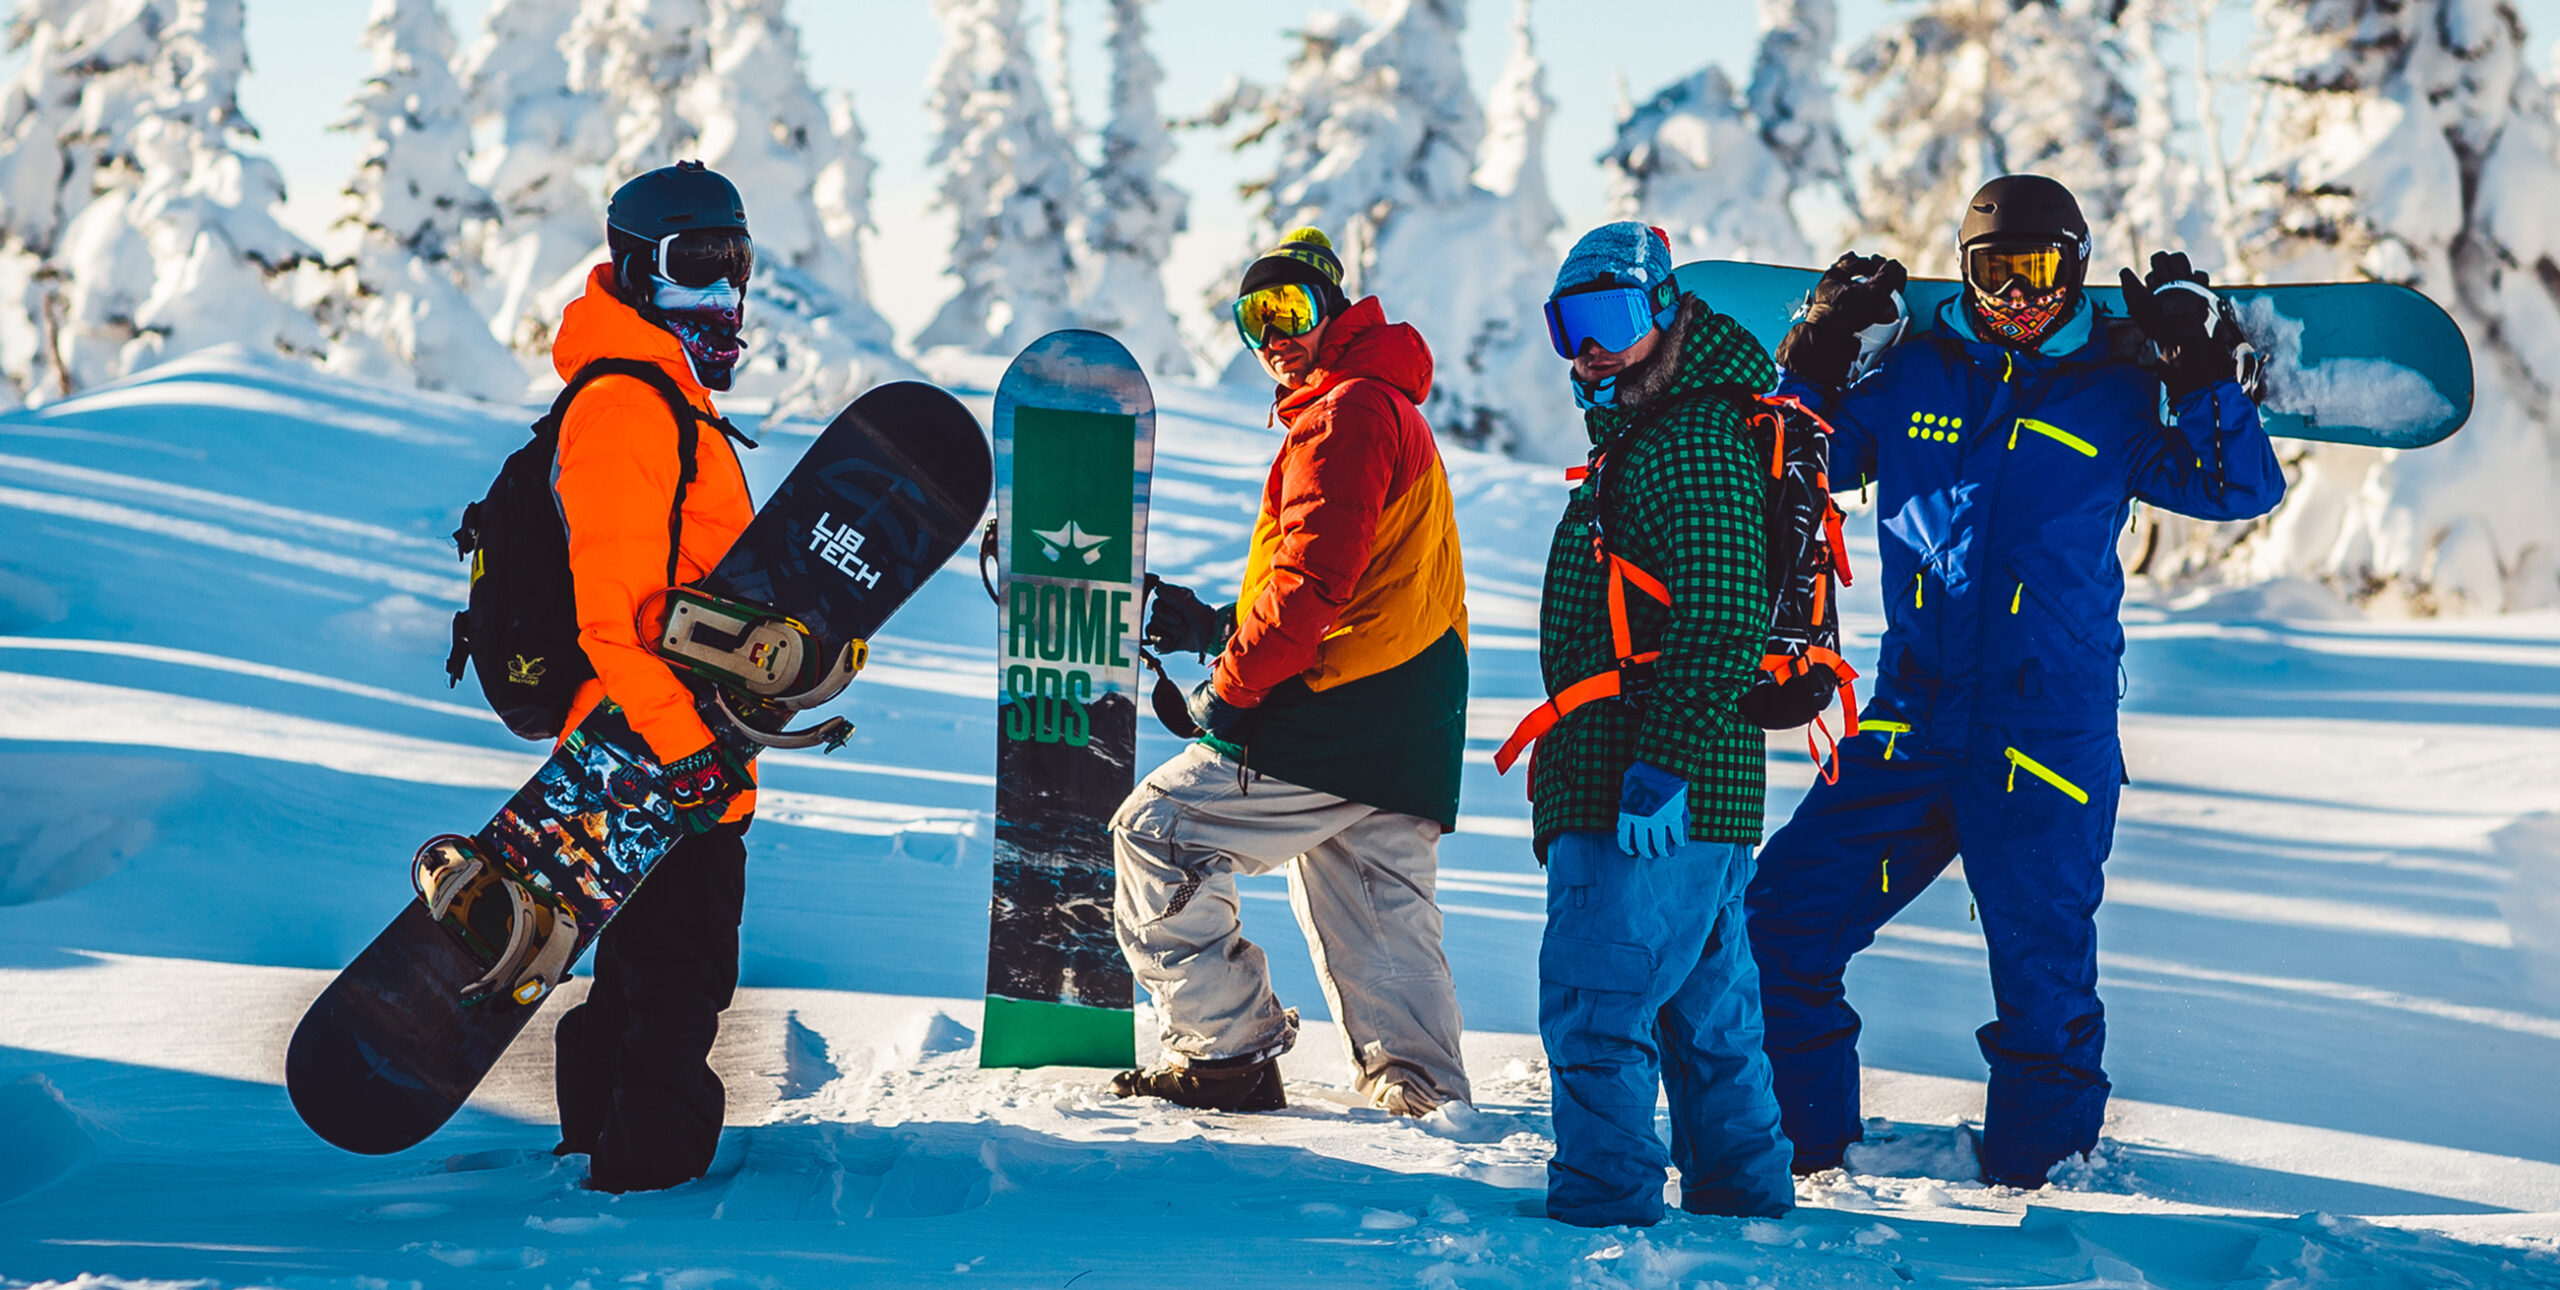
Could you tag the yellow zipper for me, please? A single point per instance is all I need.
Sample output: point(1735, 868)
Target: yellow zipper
point(1917, 581)
point(1893, 730)
point(2053, 432)
point(2045, 773)
point(2013, 597)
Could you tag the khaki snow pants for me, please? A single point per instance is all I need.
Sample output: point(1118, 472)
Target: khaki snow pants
point(1361, 881)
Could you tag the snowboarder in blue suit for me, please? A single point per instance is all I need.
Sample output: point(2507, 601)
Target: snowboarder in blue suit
point(2008, 437)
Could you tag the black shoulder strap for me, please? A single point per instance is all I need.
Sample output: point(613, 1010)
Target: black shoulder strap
point(689, 421)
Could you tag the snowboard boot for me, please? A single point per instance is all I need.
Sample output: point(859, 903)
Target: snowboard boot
point(1232, 1084)
point(1409, 1098)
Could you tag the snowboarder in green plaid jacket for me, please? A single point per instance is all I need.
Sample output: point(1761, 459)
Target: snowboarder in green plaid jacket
point(1648, 801)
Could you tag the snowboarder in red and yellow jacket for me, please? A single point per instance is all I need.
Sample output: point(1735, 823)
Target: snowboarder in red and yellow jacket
point(1332, 723)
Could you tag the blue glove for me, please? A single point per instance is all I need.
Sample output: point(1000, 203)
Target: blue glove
point(1216, 716)
point(1653, 812)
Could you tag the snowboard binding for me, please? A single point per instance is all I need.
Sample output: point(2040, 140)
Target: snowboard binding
point(526, 943)
point(763, 666)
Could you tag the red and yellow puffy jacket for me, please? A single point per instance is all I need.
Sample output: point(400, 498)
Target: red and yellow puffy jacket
point(1354, 567)
point(615, 478)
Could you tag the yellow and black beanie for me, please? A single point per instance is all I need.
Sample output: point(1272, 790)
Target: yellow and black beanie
point(1302, 255)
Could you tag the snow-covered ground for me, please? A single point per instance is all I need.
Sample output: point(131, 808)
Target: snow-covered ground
point(2331, 949)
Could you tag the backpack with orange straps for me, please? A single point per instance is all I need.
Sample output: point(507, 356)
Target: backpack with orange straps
point(1801, 668)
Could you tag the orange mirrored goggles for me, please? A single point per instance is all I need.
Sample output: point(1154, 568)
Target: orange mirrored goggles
point(1993, 268)
point(1290, 309)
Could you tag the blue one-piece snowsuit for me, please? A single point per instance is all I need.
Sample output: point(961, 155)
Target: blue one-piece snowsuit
point(2004, 478)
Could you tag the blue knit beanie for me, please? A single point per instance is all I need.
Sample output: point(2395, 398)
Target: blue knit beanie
point(1626, 254)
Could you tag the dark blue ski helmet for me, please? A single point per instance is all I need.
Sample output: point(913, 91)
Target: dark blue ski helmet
point(687, 197)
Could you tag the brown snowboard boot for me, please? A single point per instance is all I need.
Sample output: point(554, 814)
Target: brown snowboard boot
point(1251, 1084)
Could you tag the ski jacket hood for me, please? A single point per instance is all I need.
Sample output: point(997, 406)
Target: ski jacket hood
point(600, 324)
point(615, 479)
point(2003, 478)
point(1361, 342)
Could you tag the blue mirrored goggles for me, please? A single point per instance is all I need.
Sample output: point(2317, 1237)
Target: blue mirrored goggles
point(1614, 319)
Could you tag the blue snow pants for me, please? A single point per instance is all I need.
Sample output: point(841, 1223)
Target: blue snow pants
point(1645, 984)
point(2033, 814)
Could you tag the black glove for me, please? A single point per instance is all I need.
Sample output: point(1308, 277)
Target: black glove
point(1822, 347)
point(2189, 327)
point(1216, 716)
point(1179, 622)
point(701, 785)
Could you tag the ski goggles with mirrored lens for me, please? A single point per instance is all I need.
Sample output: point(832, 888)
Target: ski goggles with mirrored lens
point(1613, 319)
point(1285, 311)
point(700, 257)
point(1993, 268)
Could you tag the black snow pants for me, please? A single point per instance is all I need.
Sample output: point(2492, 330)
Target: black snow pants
point(637, 1094)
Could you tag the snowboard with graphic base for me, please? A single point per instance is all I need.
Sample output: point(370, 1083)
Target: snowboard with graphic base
point(875, 507)
point(1075, 450)
point(2370, 363)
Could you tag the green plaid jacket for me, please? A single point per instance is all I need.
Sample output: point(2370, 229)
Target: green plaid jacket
point(1685, 506)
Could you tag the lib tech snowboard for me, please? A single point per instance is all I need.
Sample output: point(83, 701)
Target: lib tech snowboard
point(874, 508)
point(2369, 363)
point(1075, 450)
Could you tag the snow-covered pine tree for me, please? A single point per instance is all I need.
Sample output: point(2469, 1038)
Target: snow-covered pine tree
point(1790, 100)
point(1136, 211)
point(634, 57)
point(179, 248)
point(1967, 90)
point(544, 139)
point(2412, 143)
point(1374, 139)
point(1692, 162)
point(66, 139)
point(1285, 119)
point(1509, 362)
point(1012, 185)
point(813, 339)
point(398, 308)
point(1512, 162)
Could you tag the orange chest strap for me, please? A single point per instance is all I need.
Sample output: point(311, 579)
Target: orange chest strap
point(1605, 685)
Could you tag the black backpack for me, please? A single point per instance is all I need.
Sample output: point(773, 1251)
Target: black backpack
point(1808, 561)
point(519, 630)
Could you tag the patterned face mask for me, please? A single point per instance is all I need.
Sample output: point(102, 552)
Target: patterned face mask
point(705, 320)
point(2020, 323)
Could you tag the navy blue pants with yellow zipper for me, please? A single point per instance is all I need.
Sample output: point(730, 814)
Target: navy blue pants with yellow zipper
point(2032, 814)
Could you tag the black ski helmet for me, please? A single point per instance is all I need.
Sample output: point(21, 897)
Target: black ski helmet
point(671, 199)
point(2028, 208)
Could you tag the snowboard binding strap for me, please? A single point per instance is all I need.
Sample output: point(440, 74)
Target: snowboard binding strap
point(770, 656)
point(829, 734)
point(451, 876)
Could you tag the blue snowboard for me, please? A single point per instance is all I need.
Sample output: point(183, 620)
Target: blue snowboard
point(2367, 363)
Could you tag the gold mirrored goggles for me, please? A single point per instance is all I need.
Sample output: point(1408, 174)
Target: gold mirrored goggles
point(1288, 310)
point(1993, 269)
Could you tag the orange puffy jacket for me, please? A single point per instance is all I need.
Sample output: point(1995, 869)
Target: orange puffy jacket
point(615, 478)
point(1354, 565)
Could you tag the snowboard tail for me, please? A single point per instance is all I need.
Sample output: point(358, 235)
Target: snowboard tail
point(1075, 452)
point(875, 507)
point(2370, 363)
